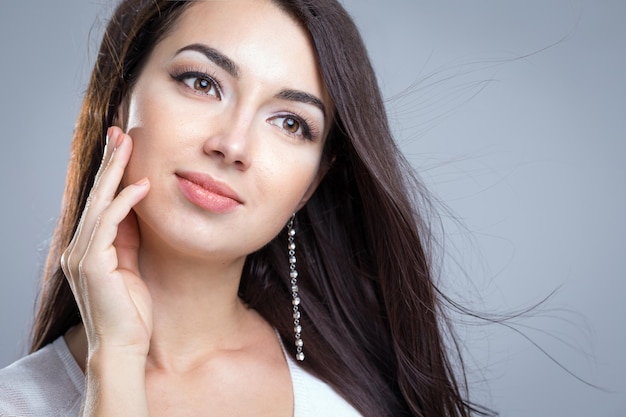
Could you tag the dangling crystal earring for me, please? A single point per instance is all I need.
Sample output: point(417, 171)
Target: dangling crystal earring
point(293, 274)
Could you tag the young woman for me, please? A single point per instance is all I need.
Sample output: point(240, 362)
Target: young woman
point(240, 235)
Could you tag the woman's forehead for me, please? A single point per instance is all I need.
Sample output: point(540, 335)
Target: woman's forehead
point(258, 37)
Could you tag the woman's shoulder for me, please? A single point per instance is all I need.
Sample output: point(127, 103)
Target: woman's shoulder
point(45, 383)
point(313, 397)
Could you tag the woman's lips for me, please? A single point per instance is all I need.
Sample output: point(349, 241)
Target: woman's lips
point(206, 193)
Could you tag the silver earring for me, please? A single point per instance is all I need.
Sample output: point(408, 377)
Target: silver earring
point(293, 274)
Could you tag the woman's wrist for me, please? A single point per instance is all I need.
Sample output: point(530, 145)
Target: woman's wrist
point(116, 383)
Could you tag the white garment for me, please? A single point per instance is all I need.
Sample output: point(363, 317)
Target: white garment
point(49, 383)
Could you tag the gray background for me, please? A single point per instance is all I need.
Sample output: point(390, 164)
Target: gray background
point(526, 151)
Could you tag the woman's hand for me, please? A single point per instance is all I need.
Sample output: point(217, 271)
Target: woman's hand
point(101, 262)
point(101, 265)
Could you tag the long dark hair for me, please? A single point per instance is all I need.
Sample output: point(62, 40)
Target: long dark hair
point(373, 318)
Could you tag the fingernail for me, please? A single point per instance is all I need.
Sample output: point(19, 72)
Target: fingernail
point(120, 139)
point(108, 139)
point(142, 182)
point(113, 137)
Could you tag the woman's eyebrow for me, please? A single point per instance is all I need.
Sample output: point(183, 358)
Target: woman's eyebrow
point(302, 97)
point(214, 55)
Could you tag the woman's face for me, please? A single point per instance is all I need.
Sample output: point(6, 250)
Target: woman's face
point(229, 118)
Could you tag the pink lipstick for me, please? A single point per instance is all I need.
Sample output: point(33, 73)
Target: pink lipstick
point(207, 193)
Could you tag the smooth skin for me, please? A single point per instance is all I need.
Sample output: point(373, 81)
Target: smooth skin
point(155, 275)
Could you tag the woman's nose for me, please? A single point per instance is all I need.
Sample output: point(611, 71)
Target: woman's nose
point(230, 140)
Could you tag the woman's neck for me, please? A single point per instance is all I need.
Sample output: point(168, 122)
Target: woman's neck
point(196, 311)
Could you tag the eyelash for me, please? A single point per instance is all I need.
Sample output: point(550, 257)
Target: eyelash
point(186, 73)
point(309, 131)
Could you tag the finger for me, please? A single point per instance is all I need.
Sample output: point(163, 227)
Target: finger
point(101, 254)
point(102, 194)
point(112, 138)
point(111, 143)
point(109, 175)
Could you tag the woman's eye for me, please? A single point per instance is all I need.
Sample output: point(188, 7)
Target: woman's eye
point(200, 84)
point(291, 125)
